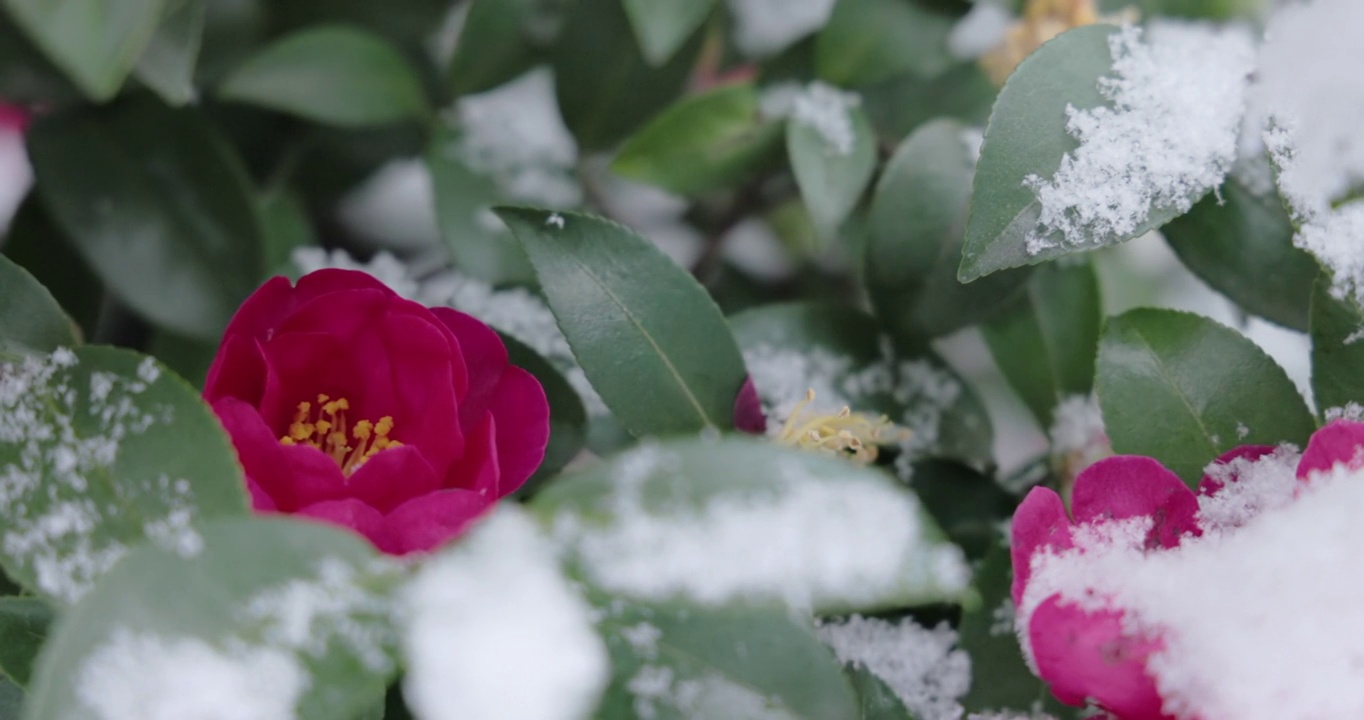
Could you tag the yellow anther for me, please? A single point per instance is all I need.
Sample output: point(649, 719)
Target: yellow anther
point(849, 434)
point(325, 428)
point(362, 430)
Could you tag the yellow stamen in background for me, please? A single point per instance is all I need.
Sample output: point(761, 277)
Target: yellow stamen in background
point(856, 436)
point(324, 427)
point(1043, 20)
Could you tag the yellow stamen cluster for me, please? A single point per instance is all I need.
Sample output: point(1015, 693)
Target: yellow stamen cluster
point(324, 426)
point(1042, 20)
point(855, 436)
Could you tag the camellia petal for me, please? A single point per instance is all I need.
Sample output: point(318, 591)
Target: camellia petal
point(426, 522)
point(1340, 442)
point(1127, 486)
point(1209, 485)
point(1040, 521)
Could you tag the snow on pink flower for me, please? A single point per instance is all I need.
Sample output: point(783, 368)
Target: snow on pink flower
point(1083, 581)
point(349, 404)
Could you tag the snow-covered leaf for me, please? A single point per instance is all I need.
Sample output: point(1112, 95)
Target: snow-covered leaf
point(101, 449)
point(833, 154)
point(274, 618)
point(1337, 350)
point(1184, 389)
point(718, 520)
point(24, 625)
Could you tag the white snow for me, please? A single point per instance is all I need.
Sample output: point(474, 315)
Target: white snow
point(1264, 484)
point(1177, 93)
point(765, 27)
point(1337, 240)
point(1260, 616)
point(383, 267)
point(809, 542)
point(819, 106)
point(920, 665)
point(1077, 424)
point(16, 175)
point(494, 631)
point(145, 677)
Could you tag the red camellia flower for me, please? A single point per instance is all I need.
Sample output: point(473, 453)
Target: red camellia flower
point(352, 405)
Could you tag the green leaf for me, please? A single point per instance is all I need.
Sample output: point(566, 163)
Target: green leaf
point(1337, 356)
point(30, 318)
point(663, 26)
point(285, 227)
point(875, 699)
point(35, 244)
point(104, 448)
point(275, 604)
point(1001, 679)
point(1046, 343)
point(1241, 244)
point(334, 74)
point(606, 89)
point(969, 505)
point(567, 418)
point(187, 357)
point(95, 42)
point(649, 338)
point(1027, 136)
point(27, 76)
point(867, 41)
point(703, 143)
point(167, 65)
point(917, 227)
point(497, 44)
point(831, 178)
point(159, 207)
point(23, 628)
point(898, 106)
point(478, 243)
point(713, 520)
point(11, 700)
point(1183, 389)
point(731, 662)
point(840, 354)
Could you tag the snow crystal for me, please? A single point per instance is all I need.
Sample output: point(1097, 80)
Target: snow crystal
point(1351, 411)
point(980, 30)
point(805, 542)
point(383, 267)
point(1337, 240)
point(1077, 424)
point(495, 602)
point(1259, 622)
point(818, 106)
point(1264, 484)
point(514, 134)
point(919, 664)
point(59, 525)
point(144, 677)
point(764, 27)
point(555, 220)
point(1170, 136)
point(306, 615)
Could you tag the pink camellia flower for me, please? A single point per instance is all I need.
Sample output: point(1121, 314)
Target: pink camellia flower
point(351, 405)
point(1095, 655)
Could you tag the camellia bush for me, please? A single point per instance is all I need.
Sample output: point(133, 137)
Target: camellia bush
point(681, 360)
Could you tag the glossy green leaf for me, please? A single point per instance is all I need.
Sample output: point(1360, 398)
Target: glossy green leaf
point(831, 178)
point(1184, 389)
point(1000, 679)
point(95, 42)
point(1337, 354)
point(1241, 243)
point(697, 495)
point(730, 662)
point(606, 89)
point(27, 76)
point(235, 606)
point(875, 699)
point(24, 623)
point(30, 318)
point(969, 505)
point(1045, 344)
point(35, 244)
point(477, 242)
point(336, 75)
point(187, 357)
point(867, 41)
point(900, 105)
point(498, 43)
point(285, 227)
point(1027, 136)
point(703, 143)
point(164, 218)
point(113, 450)
point(663, 26)
point(845, 361)
point(167, 65)
point(649, 338)
point(917, 227)
point(567, 418)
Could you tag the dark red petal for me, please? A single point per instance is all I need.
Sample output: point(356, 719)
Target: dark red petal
point(298, 367)
point(329, 280)
point(261, 501)
point(1340, 442)
point(350, 513)
point(484, 353)
point(1127, 486)
point(1084, 655)
point(748, 409)
point(291, 476)
point(1040, 521)
point(1209, 486)
point(478, 470)
point(238, 371)
point(392, 477)
point(426, 522)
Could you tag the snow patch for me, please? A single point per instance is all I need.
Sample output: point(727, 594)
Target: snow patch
point(920, 665)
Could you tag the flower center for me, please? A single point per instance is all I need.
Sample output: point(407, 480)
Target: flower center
point(852, 435)
point(324, 426)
